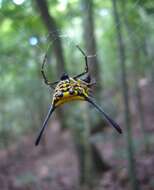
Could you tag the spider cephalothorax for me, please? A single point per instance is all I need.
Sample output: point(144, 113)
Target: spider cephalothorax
point(70, 89)
point(64, 76)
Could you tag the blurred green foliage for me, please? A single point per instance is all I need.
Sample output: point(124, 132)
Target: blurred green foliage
point(24, 41)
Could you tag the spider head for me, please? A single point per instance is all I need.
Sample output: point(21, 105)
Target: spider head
point(87, 79)
point(64, 76)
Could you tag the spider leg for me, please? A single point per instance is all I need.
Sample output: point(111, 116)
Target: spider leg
point(86, 62)
point(52, 108)
point(46, 81)
point(108, 119)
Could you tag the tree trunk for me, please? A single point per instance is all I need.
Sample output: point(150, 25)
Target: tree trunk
point(149, 58)
point(90, 160)
point(81, 137)
point(129, 139)
point(98, 164)
point(90, 41)
point(136, 66)
point(51, 26)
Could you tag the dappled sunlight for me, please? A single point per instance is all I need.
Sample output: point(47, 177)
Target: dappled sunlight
point(18, 2)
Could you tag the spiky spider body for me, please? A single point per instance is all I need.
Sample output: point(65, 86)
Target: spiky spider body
point(69, 89)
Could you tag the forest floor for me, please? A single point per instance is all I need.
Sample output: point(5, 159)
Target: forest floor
point(26, 167)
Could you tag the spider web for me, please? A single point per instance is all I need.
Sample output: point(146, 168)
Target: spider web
point(69, 39)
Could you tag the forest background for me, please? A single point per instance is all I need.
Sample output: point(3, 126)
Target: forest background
point(79, 150)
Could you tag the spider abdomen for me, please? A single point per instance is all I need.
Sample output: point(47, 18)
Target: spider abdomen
point(69, 90)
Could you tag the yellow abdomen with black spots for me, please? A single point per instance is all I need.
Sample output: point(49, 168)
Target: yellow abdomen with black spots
point(70, 90)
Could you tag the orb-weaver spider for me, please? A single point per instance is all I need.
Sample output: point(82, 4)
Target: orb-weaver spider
point(72, 88)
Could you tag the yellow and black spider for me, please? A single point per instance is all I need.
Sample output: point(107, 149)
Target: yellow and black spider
point(70, 89)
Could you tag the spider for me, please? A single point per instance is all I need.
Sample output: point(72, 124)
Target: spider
point(69, 89)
